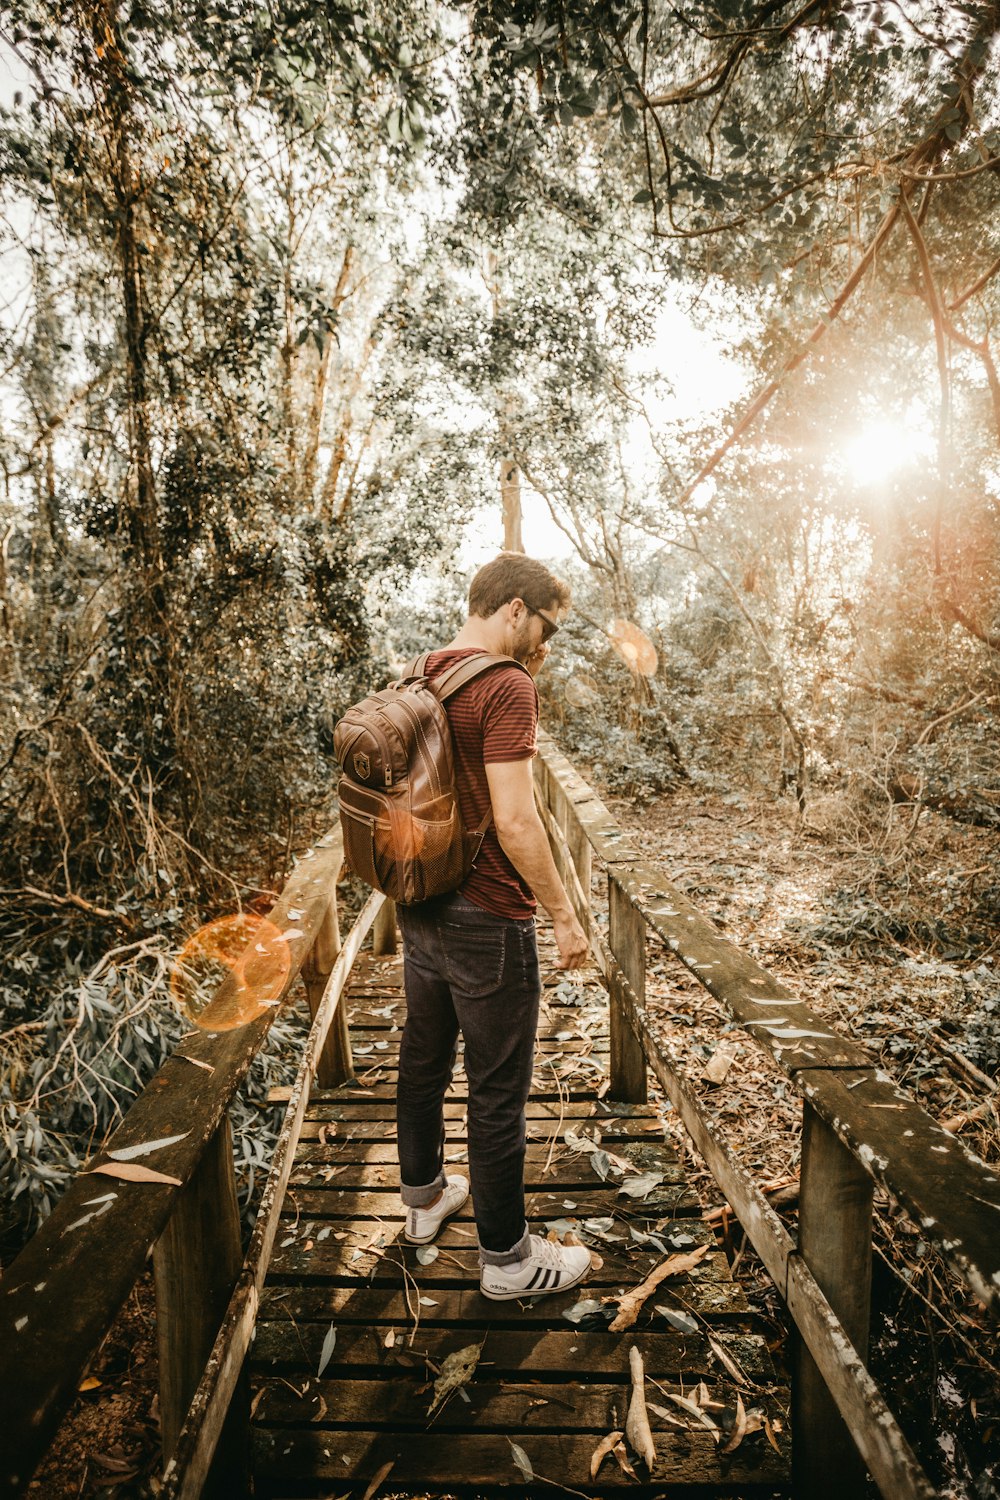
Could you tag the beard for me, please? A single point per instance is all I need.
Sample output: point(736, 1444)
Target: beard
point(521, 647)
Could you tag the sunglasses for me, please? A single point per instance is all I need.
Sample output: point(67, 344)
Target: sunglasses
point(549, 626)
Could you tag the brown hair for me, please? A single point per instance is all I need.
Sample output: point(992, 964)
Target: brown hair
point(514, 576)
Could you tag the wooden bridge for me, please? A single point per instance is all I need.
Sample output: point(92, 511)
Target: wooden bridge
point(352, 1359)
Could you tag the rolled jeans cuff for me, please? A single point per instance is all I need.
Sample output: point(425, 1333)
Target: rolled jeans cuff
point(419, 1197)
point(511, 1257)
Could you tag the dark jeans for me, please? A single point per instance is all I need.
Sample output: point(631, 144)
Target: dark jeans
point(470, 971)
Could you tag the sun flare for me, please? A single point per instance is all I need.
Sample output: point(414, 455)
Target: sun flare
point(879, 450)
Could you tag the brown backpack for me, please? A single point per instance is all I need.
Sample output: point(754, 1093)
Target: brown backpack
point(403, 831)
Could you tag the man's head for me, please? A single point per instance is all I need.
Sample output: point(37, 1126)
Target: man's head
point(521, 597)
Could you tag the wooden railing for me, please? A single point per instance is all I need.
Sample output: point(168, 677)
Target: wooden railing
point(858, 1129)
point(63, 1292)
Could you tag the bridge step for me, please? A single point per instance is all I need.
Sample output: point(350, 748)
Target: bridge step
point(550, 1386)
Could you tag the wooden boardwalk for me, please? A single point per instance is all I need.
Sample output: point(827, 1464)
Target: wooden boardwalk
point(346, 1293)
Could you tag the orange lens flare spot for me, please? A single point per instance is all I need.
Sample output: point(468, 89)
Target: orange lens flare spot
point(230, 971)
point(634, 647)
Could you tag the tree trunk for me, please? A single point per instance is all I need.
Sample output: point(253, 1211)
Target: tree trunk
point(510, 500)
point(322, 385)
point(288, 343)
point(510, 474)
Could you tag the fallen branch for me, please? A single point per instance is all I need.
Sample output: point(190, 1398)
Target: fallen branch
point(969, 1116)
point(630, 1303)
point(78, 901)
point(773, 1189)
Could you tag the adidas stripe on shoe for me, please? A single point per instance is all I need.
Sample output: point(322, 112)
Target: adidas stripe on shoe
point(549, 1267)
point(422, 1224)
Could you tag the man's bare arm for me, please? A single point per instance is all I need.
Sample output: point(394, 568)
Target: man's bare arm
point(522, 839)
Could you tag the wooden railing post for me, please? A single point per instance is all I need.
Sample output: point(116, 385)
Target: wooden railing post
point(196, 1262)
point(835, 1241)
point(582, 854)
point(335, 1065)
point(627, 941)
point(384, 930)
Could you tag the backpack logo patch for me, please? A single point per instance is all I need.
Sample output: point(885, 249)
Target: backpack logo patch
point(362, 766)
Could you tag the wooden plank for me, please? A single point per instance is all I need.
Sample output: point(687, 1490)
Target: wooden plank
point(644, 1156)
point(569, 1175)
point(534, 1354)
point(337, 1106)
point(334, 1064)
point(563, 1170)
point(88, 1253)
point(463, 1236)
point(547, 1043)
point(384, 931)
point(380, 1080)
point(486, 1459)
point(348, 1203)
point(382, 1301)
point(397, 1404)
point(374, 1125)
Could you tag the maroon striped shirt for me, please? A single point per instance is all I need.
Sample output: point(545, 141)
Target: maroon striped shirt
point(493, 718)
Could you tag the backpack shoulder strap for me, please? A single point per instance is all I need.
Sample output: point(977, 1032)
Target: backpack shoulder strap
point(464, 671)
point(417, 667)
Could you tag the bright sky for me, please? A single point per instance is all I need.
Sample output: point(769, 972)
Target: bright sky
point(683, 375)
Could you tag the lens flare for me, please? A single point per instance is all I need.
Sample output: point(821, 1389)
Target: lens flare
point(634, 647)
point(230, 971)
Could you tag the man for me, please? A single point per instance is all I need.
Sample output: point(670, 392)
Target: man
point(470, 957)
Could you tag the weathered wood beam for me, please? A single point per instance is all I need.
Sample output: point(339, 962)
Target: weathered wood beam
point(384, 936)
point(335, 1064)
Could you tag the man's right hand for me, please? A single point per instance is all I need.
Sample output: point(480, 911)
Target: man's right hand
point(571, 940)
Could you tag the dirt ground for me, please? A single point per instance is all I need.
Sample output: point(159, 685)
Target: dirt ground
point(885, 932)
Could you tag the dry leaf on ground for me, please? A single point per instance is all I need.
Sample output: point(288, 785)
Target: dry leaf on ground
point(694, 1410)
point(739, 1431)
point(637, 1423)
point(631, 1303)
point(377, 1479)
point(604, 1448)
point(130, 1171)
point(456, 1371)
point(623, 1463)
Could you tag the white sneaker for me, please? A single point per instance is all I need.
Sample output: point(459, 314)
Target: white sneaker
point(549, 1267)
point(422, 1224)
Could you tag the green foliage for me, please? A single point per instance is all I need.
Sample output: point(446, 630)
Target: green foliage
point(79, 1047)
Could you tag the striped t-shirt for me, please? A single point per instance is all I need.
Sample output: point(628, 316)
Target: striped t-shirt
point(493, 718)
